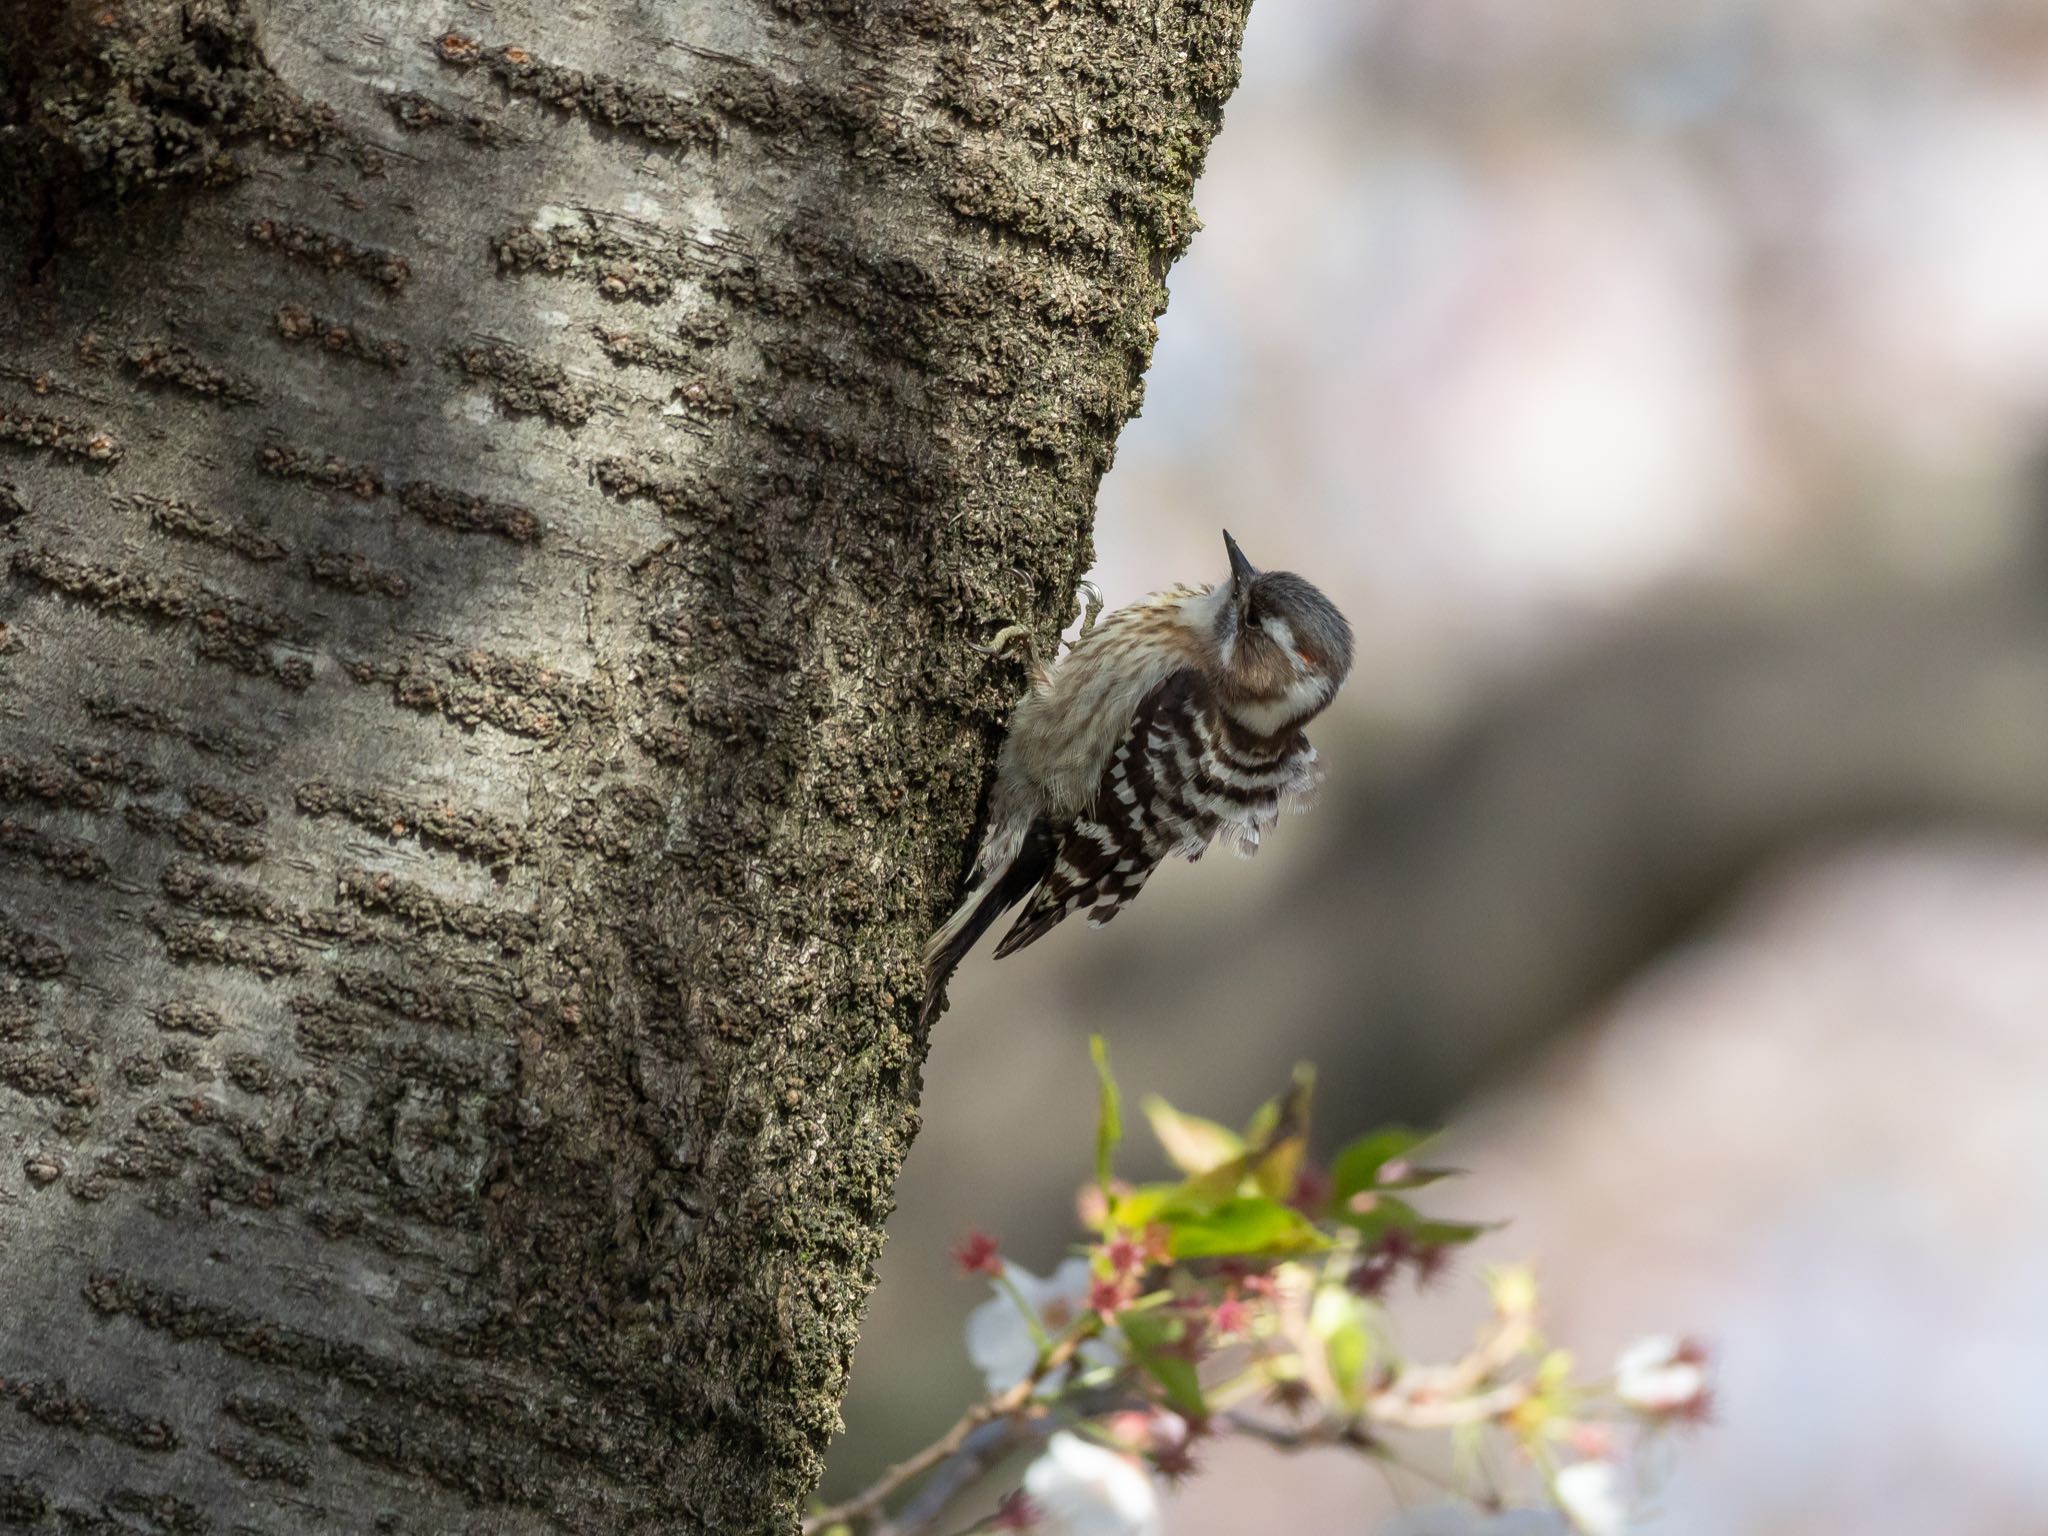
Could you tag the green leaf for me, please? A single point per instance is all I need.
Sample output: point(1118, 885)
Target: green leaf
point(1152, 1336)
point(1243, 1225)
point(1378, 1215)
point(1382, 1214)
point(1218, 1184)
point(1452, 1233)
point(1136, 1209)
point(1279, 1152)
point(1110, 1128)
point(1344, 1323)
point(1260, 1127)
point(1420, 1178)
point(1195, 1145)
point(1358, 1166)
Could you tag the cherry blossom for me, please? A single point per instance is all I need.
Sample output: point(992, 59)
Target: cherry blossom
point(1663, 1376)
point(1084, 1489)
point(1591, 1495)
point(1000, 1340)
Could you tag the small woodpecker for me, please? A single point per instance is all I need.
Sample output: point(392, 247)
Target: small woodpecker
point(1171, 723)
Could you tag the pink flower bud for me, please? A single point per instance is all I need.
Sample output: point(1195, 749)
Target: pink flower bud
point(1232, 1316)
point(1015, 1512)
point(976, 1254)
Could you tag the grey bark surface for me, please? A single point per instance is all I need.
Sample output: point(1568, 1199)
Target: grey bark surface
point(493, 501)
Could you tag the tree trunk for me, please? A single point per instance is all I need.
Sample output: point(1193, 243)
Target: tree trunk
point(495, 501)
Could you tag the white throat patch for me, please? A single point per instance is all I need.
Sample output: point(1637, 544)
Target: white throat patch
point(1303, 697)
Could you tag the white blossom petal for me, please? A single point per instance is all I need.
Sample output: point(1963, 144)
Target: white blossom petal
point(1654, 1375)
point(1591, 1494)
point(1084, 1489)
point(1000, 1341)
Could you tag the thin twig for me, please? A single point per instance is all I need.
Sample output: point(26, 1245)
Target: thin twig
point(1444, 1396)
point(1433, 1397)
point(1350, 1435)
point(1303, 1437)
point(1448, 1412)
point(1001, 1405)
point(986, 1447)
point(1423, 1398)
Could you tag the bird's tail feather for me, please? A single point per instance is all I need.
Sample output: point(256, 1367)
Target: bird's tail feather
point(992, 892)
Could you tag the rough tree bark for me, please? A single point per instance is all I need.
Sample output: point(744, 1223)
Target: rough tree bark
point(493, 499)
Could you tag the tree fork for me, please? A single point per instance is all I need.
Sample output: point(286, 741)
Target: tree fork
point(494, 504)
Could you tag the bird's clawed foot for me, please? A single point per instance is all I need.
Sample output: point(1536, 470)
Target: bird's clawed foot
point(1090, 597)
point(1017, 639)
point(1012, 639)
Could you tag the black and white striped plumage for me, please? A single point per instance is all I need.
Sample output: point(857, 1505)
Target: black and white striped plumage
point(1174, 722)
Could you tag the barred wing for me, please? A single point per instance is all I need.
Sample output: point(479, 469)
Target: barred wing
point(1175, 782)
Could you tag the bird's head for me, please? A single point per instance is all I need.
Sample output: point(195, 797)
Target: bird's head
point(1282, 648)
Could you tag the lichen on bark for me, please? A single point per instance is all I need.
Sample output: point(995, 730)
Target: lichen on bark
point(127, 96)
point(476, 785)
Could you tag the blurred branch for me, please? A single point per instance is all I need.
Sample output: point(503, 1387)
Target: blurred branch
point(1013, 1402)
point(975, 1459)
point(1436, 1397)
point(1589, 815)
point(1420, 1398)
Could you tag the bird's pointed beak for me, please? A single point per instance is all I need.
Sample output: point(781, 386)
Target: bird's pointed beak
point(1242, 572)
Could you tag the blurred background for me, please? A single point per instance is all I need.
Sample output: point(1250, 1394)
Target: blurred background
point(1662, 389)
